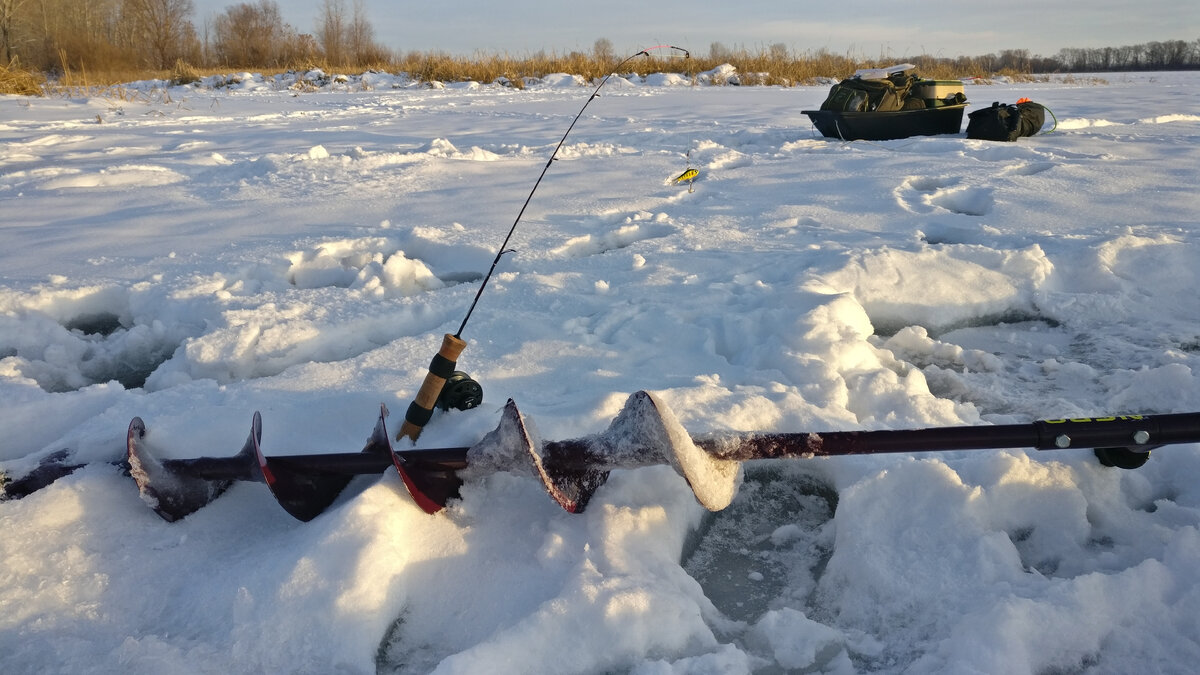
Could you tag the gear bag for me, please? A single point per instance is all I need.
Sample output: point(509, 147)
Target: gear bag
point(860, 94)
point(1006, 121)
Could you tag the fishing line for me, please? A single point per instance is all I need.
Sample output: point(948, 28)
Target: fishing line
point(445, 386)
point(504, 245)
point(689, 174)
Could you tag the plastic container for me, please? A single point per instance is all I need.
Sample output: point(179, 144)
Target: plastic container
point(936, 89)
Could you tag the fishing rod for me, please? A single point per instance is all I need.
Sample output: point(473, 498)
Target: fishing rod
point(444, 386)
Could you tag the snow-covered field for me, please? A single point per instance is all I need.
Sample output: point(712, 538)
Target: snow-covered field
point(195, 254)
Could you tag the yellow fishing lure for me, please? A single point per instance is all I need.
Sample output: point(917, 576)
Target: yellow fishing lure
point(688, 175)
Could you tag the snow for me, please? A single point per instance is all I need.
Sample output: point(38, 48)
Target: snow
point(298, 245)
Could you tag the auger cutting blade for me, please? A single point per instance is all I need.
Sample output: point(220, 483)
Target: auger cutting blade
point(171, 493)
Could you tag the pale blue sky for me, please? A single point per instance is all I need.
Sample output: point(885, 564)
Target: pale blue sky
point(871, 28)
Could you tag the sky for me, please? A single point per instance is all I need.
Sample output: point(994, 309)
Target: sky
point(868, 28)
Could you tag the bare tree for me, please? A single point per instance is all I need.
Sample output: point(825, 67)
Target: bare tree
point(252, 35)
point(300, 49)
point(163, 26)
point(1015, 59)
point(347, 37)
point(9, 10)
point(602, 50)
point(361, 36)
point(1175, 54)
point(331, 31)
point(68, 33)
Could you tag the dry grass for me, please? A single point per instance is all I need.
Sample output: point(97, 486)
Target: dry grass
point(440, 67)
point(113, 84)
point(19, 81)
point(769, 67)
point(753, 68)
point(183, 73)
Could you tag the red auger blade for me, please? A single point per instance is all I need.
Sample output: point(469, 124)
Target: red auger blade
point(431, 484)
point(305, 491)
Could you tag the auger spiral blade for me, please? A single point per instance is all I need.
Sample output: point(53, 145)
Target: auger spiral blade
point(304, 485)
point(431, 479)
point(305, 491)
point(177, 488)
point(570, 486)
point(645, 432)
point(49, 469)
point(714, 481)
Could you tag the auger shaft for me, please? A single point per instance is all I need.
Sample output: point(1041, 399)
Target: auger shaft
point(643, 433)
point(1135, 433)
point(1139, 432)
point(590, 452)
point(343, 463)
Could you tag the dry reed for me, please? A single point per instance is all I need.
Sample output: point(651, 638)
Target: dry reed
point(769, 67)
point(17, 80)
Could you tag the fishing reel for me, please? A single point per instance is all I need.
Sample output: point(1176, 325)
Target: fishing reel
point(1123, 458)
point(460, 392)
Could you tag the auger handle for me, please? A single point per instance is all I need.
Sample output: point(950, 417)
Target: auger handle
point(440, 369)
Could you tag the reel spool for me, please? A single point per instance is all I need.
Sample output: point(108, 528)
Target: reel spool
point(460, 392)
point(1122, 458)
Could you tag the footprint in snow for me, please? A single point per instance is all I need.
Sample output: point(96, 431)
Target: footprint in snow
point(917, 194)
point(623, 236)
point(1026, 168)
point(969, 201)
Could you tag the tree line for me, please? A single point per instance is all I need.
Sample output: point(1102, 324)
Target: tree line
point(128, 35)
point(113, 35)
point(1166, 55)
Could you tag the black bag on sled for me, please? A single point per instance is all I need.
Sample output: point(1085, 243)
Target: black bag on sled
point(858, 94)
point(1006, 122)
